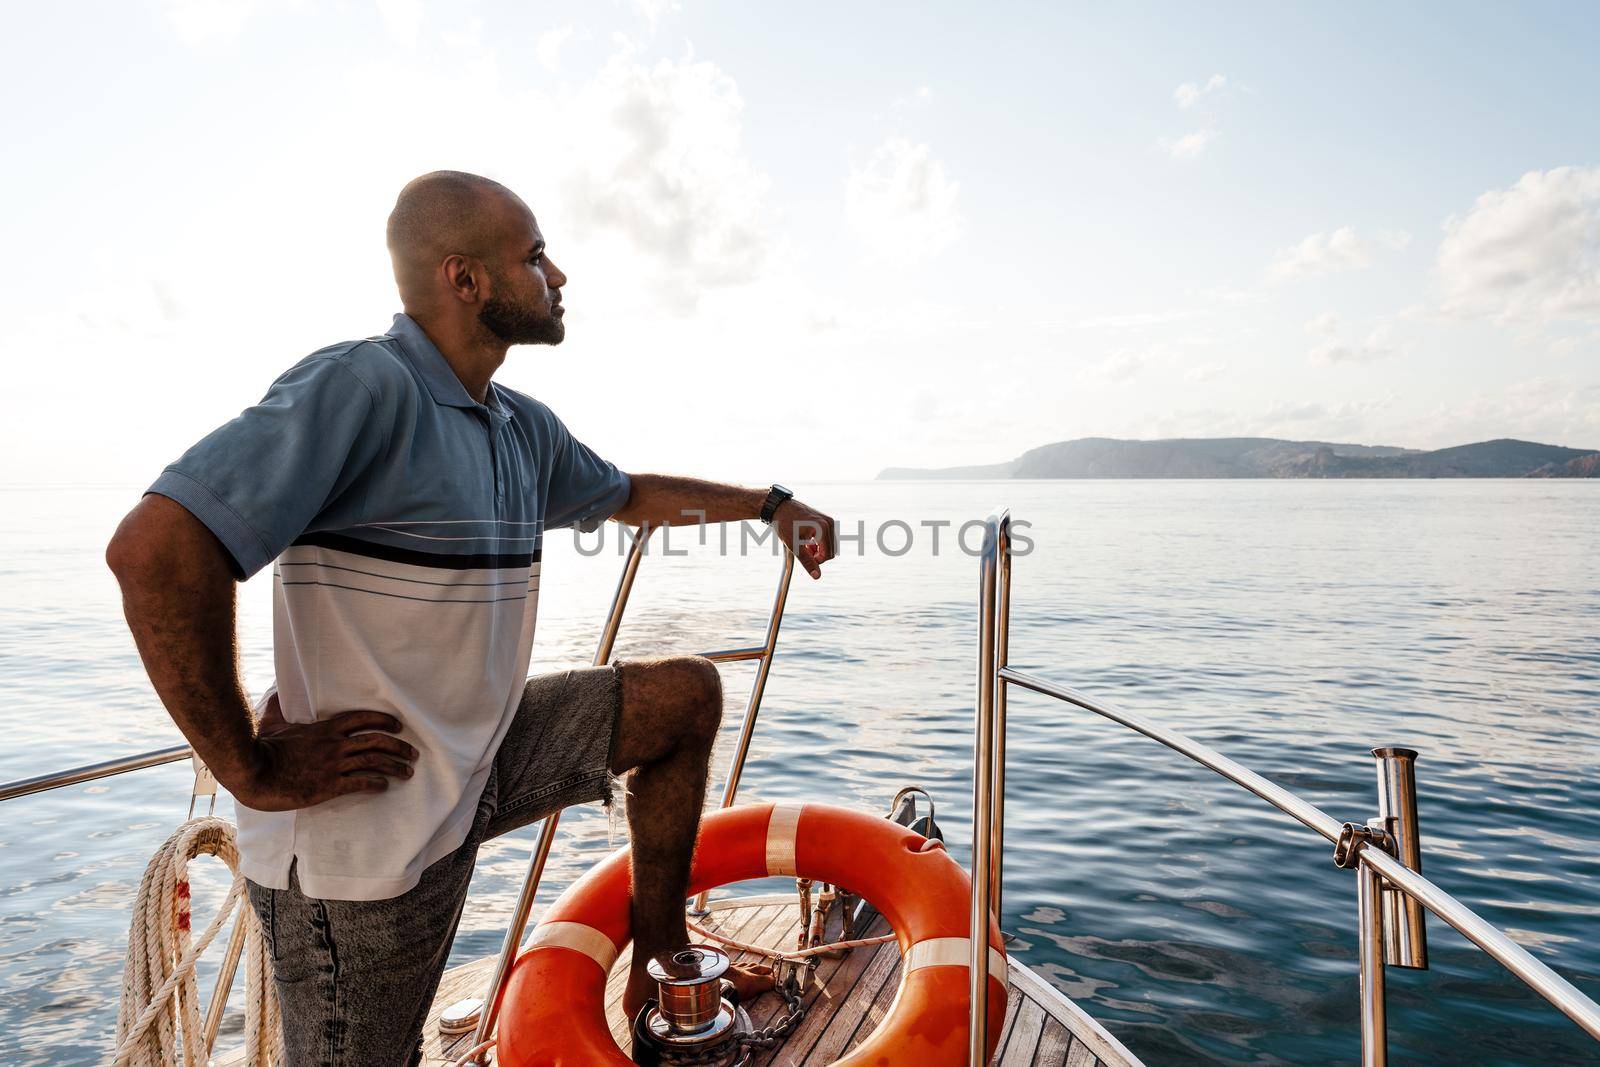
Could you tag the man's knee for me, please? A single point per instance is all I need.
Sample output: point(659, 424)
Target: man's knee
point(667, 703)
point(702, 694)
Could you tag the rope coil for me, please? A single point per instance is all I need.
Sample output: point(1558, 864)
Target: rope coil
point(159, 1022)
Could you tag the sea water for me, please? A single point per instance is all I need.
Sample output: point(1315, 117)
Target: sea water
point(1292, 625)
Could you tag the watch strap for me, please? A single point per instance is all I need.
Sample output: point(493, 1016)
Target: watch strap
point(775, 498)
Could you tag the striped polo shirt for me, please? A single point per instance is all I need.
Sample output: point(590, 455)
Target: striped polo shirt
point(405, 519)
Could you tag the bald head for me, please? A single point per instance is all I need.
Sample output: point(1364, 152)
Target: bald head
point(467, 251)
point(447, 212)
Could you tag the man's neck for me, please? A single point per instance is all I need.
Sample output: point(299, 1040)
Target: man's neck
point(472, 352)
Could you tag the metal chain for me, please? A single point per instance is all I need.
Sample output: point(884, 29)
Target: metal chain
point(770, 1036)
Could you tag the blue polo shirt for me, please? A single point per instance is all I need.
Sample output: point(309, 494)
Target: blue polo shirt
point(406, 522)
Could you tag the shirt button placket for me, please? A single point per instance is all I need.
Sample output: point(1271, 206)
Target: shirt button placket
point(494, 463)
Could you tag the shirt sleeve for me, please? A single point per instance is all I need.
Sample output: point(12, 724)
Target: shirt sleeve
point(585, 490)
point(260, 480)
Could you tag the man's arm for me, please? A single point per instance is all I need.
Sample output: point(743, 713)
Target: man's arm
point(668, 500)
point(178, 593)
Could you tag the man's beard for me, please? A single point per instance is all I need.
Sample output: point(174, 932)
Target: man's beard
point(516, 324)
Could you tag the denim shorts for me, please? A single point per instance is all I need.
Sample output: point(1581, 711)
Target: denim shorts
point(356, 977)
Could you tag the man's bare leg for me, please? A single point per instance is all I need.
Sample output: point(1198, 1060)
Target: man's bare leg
point(671, 709)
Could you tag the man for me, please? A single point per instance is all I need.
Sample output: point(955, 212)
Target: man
point(404, 496)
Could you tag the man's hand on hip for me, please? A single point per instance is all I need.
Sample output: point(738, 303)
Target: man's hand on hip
point(297, 765)
point(812, 536)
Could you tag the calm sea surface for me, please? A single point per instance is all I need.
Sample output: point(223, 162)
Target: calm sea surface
point(1293, 625)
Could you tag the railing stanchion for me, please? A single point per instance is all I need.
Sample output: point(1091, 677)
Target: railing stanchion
point(1002, 629)
point(1374, 1009)
point(983, 790)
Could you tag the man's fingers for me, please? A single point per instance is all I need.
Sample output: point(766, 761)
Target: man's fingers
point(379, 743)
point(361, 783)
point(375, 762)
point(828, 543)
point(349, 722)
point(808, 534)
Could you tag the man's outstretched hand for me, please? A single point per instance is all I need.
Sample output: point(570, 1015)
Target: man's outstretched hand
point(812, 536)
point(297, 765)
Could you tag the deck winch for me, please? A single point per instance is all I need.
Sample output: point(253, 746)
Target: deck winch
point(695, 1010)
point(696, 1017)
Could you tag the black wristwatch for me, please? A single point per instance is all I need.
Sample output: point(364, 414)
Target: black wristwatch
point(775, 499)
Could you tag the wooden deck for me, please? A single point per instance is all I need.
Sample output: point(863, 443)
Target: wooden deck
point(845, 1004)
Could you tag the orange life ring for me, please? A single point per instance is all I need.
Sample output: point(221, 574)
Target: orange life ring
point(553, 1009)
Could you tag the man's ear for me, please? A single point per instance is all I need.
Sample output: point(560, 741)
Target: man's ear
point(464, 277)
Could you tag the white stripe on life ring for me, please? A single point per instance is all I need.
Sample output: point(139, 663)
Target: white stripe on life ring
point(576, 936)
point(782, 828)
point(952, 952)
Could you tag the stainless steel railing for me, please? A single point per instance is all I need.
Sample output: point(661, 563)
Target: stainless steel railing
point(89, 772)
point(1385, 853)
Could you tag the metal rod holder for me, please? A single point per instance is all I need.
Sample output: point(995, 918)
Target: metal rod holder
point(1405, 934)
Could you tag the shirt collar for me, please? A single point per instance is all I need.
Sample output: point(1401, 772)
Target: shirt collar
point(436, 370)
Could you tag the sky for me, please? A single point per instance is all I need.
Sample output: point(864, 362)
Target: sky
point(806, 242)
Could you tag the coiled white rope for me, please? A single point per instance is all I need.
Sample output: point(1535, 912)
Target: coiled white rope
point(159, 1021)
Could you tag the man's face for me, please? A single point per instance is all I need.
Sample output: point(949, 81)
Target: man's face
point(524, 305)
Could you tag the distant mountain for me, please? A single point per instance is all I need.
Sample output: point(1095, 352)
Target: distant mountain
point(1267, 457)
point(1585, 466)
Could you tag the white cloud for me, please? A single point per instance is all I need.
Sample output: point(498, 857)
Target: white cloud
point(1315, 419)
point(901, 204)
point(1118, 367)
point(202, 22)
point(1554, 410)
point(1301, 420)
point(1562, 347)
point(1326, 323)
point(1378, 345)
point(1188, 94)
point(655, 10)
point(1330, 252)
point(1530, 252)
point(1399, 240)
point(403, 18)
point(659, 159)
point(1203, 372)
point(1191, 145)
point(921, 96)
point(1133, 321)
point(548, 48)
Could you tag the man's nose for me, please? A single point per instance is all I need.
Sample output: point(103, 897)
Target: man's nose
point(552, 274)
